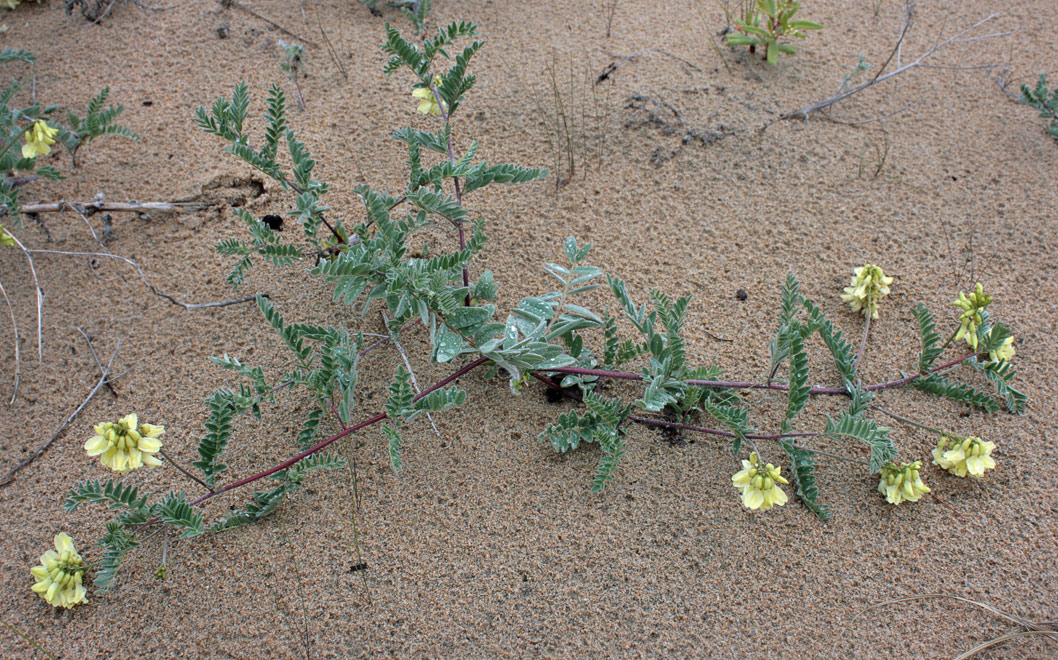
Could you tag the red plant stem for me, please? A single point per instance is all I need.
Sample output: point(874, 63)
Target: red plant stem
point(654, 421)
point(337, 436)
point(723, 384)
point(586, 372)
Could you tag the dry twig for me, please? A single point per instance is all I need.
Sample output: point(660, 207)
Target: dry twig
point(920, 61)
point(14, 324)
point(1049, 629)
point(40, 295)
point(239, 5)
point(104, 379)
point(147, 283)
point(88, 208)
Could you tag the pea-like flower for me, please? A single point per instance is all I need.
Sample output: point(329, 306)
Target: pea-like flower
point(60, 575)
point(970, 318)
point(39, 139)
point(126, 445)
point(867, 286)
point(1004, 353)
point(6, 238)
point(428, 102)
point(900, 482)
point(964, 456)
point(759, 484)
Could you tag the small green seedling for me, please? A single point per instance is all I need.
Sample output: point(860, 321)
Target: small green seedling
point(1045, 100)
point(767, 23)
point(291, 65)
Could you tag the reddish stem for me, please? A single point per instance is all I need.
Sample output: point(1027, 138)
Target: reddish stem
point(337, 436)
point(624, 375)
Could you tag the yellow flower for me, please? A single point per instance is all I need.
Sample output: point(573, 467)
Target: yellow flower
point(759, 484)
point(1004, 353)
point(901, 482)
point(124, 446)
point(39, 139)
point(866, 288)
point(964, 456)
point(5, 238)
point(60, 575)
point(428, 102)
point(971, 315)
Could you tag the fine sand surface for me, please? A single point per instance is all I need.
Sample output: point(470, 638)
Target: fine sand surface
point(488, 544)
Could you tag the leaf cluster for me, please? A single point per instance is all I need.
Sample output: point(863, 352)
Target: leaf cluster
point(16, 121)
point(1045, 100)
point(766, 23)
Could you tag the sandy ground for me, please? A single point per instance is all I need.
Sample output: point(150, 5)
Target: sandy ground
point(489, 545)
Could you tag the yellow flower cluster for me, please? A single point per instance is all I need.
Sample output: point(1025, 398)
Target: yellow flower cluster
point(867, 286)
point(60, 575)
point(901, 482)
point(964, 456)
point(5, 238)
point(971, 316)
point(759, 484)
point(427, 101)
point(39, 139)
point(126, 445)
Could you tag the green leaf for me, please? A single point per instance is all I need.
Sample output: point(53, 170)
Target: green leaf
point(612, 442)
point(116, 493)
point(394, 444)
point(927, 332)
point(733, 418)
point(403, 54)
point(9, 54)
point(441, 399)
point(115, 543)
point(937, 384)
point(832, 337)
point(804, 479)
point(799, 387)
point(307, 435)
point(223, 407)
point(176, 511)
point(866, 431)
point(1000, 374)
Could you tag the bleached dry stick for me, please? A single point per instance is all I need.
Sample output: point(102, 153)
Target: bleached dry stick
point(14, 324)
point(101, 205)
point(920, 61)
point(40, 296)
point(104, 379)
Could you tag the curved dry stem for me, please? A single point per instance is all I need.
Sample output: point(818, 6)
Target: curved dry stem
point(104, 379)
point(40, 295)
point(14, 325)
point(147, 283)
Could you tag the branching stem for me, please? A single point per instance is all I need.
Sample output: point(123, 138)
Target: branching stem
point(344, 432)
point(735, 385)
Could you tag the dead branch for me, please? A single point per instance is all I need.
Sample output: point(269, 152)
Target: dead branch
point(920, 61)
point(104, 379)
point(40, 296)
point(147, 283)
point(612, 67)
point(89, 208)
point(18, 358)
point(234, 3)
